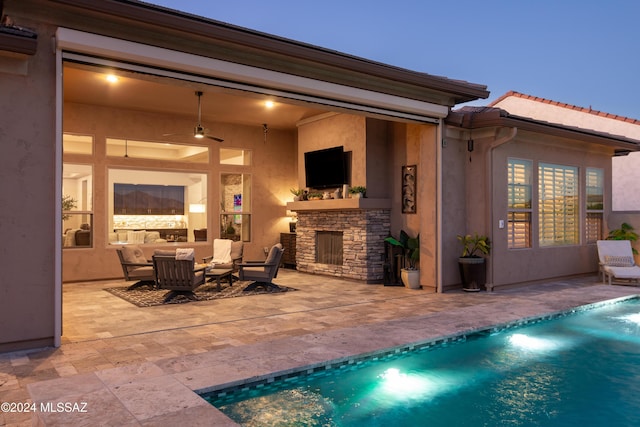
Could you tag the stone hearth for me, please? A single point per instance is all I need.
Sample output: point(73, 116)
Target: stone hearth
point(363, 233)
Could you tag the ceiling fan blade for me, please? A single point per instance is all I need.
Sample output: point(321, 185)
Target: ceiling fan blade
point(214, 138)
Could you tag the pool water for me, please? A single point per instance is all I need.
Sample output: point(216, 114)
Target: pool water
point(579, 369)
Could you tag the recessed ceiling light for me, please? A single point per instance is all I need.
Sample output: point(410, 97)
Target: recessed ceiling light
point(112, 78)
point(269, 104)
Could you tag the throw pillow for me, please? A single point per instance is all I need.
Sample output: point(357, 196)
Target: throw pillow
point(133, 254)
point(185, 253)
point(618, 261)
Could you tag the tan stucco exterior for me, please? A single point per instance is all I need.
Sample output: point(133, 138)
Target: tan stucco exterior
point(476, 193)
point(393, 116)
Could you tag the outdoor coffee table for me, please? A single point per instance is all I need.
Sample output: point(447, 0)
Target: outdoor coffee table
point(218, 274)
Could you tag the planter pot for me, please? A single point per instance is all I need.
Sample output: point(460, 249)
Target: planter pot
point(473, 273)
point(410, 278)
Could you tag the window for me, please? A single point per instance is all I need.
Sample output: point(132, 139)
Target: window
point(157, 151)
point(77, 144)
point(595, 205)
point(155, 207)
point(519, 203)
point(77, 205)
point(558, 207)
point(235, 201)
point(235, 156)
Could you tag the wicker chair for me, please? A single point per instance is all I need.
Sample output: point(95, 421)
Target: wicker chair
point(179, 276)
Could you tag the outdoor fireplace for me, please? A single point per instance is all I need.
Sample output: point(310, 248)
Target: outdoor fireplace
point(329, 247)
point(342, 242)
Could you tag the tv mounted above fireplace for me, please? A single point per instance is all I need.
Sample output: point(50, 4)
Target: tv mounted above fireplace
point(326, 168)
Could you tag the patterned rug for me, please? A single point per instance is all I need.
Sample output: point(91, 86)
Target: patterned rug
point(146, 296)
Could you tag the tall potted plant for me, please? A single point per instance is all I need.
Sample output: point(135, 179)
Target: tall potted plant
point(473, 268)
point(410, 274)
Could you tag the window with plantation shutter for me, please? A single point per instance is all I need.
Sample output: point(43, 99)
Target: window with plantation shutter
point(519, 203)
point(558, 206)
point(594, 205)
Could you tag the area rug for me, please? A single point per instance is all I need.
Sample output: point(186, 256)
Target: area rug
point(145, 296)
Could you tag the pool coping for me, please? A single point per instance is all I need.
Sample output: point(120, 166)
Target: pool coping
point(167, 390)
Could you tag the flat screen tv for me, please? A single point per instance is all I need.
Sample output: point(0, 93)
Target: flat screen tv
point(325, 168)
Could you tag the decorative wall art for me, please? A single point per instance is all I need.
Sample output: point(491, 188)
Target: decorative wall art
point(409, 189)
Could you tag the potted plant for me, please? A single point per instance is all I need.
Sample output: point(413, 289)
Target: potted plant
point(358, 191)
point(68, 203)
point(314, 195)
point(625, 232)
point(473, 269)
point(411, 247)
point(297, 194)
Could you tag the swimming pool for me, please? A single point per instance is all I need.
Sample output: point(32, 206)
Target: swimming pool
point(578, 369)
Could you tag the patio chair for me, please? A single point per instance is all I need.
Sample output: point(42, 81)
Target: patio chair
point(262, 272)
point(227, 254)
point(136, 267)
point(200, 234)
point(617, 264)
point(179, 276)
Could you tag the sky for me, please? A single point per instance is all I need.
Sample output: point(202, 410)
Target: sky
point(579, 52)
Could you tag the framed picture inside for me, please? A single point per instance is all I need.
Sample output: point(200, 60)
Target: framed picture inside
point(409, 178)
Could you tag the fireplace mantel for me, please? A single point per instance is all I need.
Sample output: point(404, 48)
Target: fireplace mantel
point(339, 204)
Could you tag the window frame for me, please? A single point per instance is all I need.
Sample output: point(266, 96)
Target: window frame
point(525, 211)
point(591, 212)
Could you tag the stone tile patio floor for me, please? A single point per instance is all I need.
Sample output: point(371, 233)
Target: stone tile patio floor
point(140, 366)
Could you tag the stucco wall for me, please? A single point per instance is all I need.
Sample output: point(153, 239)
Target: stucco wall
point(626, 182)
point(27, 218)
point(537, 263)
point(485, 196)
point(334, 130)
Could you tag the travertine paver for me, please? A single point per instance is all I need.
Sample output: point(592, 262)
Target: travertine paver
point(145, 369)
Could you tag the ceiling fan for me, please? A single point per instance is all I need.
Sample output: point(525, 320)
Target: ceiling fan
point(199, 131)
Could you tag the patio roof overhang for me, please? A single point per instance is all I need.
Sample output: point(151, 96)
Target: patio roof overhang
point(202, 36)
point(486, 117)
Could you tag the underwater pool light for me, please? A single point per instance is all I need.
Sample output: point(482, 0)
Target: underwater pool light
point(398, 382)
point(633, 318)
point(532, 343)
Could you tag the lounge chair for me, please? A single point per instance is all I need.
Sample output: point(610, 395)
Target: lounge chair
point(179, 276)
point(617, 264)
point(136, 267)
point(262, 272)
point(227, 254)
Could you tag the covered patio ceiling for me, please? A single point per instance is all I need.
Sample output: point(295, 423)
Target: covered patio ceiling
point(86, 84)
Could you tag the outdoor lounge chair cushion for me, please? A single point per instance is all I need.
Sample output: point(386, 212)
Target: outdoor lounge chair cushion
point(627, 273)
point(132, 254)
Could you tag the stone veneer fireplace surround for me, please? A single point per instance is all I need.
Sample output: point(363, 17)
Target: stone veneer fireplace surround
point(364, 224)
